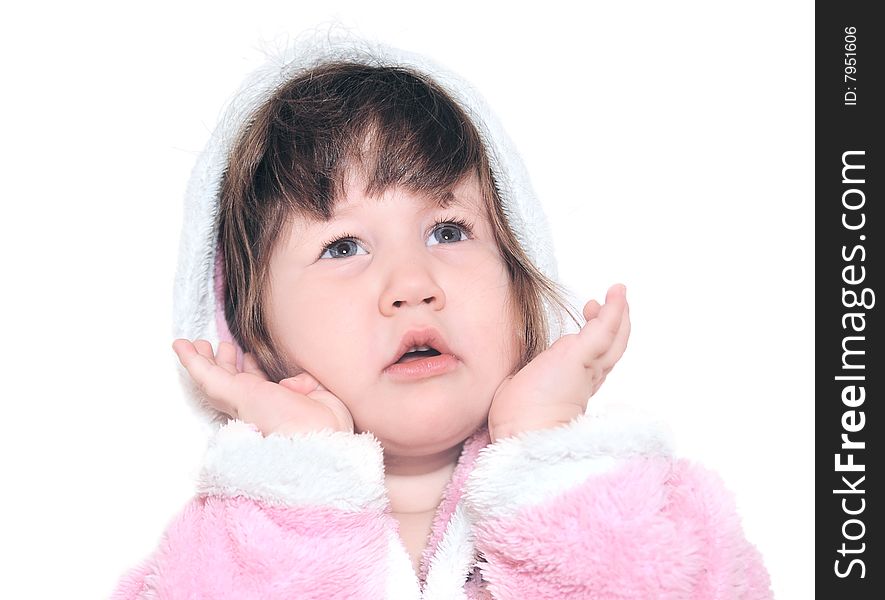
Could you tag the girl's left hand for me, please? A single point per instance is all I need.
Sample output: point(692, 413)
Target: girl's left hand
point(555, 386)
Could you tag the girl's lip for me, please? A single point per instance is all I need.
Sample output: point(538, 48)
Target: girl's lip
point(423, 368)
point(420, 336)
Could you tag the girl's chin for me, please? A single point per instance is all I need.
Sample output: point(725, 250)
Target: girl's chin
point(423, 440)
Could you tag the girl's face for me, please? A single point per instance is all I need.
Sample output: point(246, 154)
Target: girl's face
point(343, 293)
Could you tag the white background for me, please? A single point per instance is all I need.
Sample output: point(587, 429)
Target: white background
point(672, 143)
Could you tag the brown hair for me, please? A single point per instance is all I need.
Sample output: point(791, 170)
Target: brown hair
point(400, 129)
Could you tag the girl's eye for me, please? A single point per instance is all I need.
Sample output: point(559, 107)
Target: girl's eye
point(448, 232)
point(342, 248)
point(444, 231)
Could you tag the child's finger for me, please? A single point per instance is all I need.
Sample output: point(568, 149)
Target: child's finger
point(302, 383)
point(617, 294)
point(208, 376)
point(599, 333)
point(183, 348)
point(626, 325)
point(204, 349)
point(334, 404)
point(618, 345)
point(591, 310)
point(226, 357)
point(598, 384)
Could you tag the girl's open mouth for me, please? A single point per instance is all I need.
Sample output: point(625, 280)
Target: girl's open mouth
point(417, 355)
point(420, 365)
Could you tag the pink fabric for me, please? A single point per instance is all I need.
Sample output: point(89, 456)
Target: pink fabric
point(132, 584)
point(651, 529)
point(475, 588)
point(225, 548)
point(452, 496)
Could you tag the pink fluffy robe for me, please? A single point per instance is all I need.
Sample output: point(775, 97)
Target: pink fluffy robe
point(597, 509)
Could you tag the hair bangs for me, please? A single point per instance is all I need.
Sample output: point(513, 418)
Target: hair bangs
point(390, 127)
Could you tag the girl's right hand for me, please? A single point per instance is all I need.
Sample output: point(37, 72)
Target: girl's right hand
point(296, 404)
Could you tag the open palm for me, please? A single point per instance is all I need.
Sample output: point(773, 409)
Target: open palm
point(296, 404)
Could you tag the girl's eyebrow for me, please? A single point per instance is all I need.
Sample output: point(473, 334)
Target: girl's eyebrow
point(448, 199)
point(443, 201)
point(322, 227)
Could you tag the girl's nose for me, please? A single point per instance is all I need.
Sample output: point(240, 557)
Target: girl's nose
point(412, 284)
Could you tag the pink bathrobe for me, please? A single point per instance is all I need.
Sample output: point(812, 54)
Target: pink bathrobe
point(595, 509)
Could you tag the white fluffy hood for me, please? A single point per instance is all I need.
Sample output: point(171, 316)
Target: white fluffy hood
point(196, 310)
